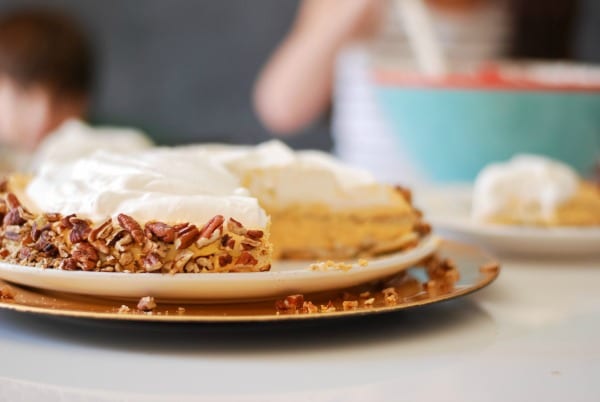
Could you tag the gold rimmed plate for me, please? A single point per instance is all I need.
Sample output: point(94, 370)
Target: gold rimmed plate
point(477, 270)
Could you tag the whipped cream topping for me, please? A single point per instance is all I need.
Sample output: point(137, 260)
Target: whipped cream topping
point(527, 183)
point(163, 184)
point(75, 139)
point(282, 177)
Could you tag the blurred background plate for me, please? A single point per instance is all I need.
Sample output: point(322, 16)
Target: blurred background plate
point(449, 210)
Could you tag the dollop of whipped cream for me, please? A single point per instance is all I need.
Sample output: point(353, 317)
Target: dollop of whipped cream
point(164, 184)
point(75, 139)
point(281, 177)
point(527, 183)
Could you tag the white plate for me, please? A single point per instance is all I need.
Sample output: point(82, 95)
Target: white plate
point(284, 278)
point(449, 209)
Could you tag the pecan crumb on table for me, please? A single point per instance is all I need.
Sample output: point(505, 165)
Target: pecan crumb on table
point(7, 293)
point(442, 274)
point(146, 304)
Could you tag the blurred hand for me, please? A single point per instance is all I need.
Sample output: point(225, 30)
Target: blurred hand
point(295, 86)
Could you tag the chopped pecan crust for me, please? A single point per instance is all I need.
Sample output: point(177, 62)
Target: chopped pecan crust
point(51, 240)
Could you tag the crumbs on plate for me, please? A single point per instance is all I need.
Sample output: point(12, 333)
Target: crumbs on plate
point(329, 264)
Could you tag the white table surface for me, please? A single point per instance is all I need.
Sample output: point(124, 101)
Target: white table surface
point(533, 335)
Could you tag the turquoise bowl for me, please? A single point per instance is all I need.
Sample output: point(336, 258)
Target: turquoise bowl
point(455, 126)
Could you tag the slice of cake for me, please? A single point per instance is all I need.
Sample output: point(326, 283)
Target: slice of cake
point(319, 207)
point(534, 190)
point(161, 211)
point(210, 208)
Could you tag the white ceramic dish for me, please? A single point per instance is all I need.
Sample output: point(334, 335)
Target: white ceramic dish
point(449, 209)
point(283, 278)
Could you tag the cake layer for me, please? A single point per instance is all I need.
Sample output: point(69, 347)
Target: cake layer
point(316, 232)
point(320, 207)
point(581, 209)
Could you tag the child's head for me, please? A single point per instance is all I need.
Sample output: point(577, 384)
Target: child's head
point(45, 75)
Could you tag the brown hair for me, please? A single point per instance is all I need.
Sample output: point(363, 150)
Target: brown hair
point(46, 48)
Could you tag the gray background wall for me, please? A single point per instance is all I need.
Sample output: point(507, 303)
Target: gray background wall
point(182, 70)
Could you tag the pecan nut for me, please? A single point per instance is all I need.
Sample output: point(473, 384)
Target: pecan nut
point(225, 259)
point(25, 253)
point(249, 244)
point(101, 232)
point(236, 227)
point(7, 293)
point(146, 303)
point(152, 262)
point(225, 240)
point(65, 222)
point(211, 226)
point(80, 231)
point(124, 243)
point(52, 216)
point(115, 237)
point(101, 246)
point(205, 264)
point(38, 228)
point(182, 258)
point(13, 236)
point(68, 264)
point(246, 259)
point(44, 245)
point(134, 228)
point(255, 234)
point(13, 217)
point(186, 237)
point(291, 303)
point(85, 255)
point(126, 259)
point(12, 201)
point(162, 231)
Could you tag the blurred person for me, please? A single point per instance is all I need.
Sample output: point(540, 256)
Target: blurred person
point(46, 67)
point(183, 70)
point(45, 80)
point(327, 55)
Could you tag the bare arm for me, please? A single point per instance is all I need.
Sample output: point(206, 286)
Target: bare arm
point(295, 85)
